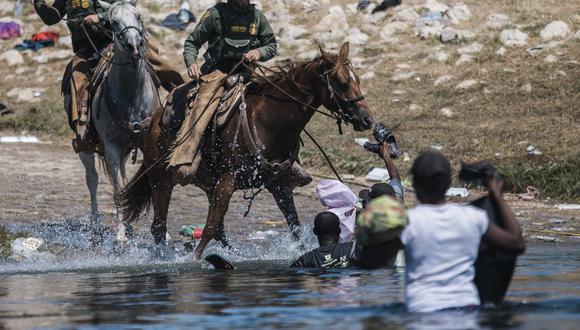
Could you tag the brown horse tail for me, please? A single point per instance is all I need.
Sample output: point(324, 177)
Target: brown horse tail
point(135, 198)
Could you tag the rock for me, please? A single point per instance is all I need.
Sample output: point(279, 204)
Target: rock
point(466, 34)
point(439, 56)
point(473, 48)
point(555, 30)
point(551, 59)
point(49, 56)
point(21, 70)
point(527, 88)
point(441, 80)
point(497, 21)
point(65, 42)
point(446, 112)
point(333, 21)
point(449, 35)
point(458, 13)
point(414, 107)
point(513, 38)
point(356, 37)
point(325, 38)
point(501, 51)
point(467, 84)
point(405, 14)
point(464, 59)
point(577, 35)
point(426, 32)
point(404, 76)
point(392, 28)
point(433, 5)
point(12, 57)
point(291, 32)
point(368, 75)
point(6, 7)
point(403, 66)
point(25, 94)
point(307, 56)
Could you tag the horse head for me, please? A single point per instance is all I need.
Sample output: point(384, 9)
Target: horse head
point(341, 92)
point(127, 27)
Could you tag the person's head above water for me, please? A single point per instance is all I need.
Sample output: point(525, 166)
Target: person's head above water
point(327, 228)
point(377, 190)
point(431, 177)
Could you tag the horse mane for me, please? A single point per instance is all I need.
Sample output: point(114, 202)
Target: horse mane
point(288, 73)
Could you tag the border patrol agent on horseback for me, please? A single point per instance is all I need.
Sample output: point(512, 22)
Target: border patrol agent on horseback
point(233, 30)
point(89, 40)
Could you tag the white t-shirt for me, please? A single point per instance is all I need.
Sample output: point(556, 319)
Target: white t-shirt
point(441, 245)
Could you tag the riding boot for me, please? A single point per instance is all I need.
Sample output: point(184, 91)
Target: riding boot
point(300, 177)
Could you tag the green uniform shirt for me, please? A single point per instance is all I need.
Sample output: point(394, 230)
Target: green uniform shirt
point(76, 10)
point(209, 29)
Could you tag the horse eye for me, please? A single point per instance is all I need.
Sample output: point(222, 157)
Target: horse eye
point(343, 85)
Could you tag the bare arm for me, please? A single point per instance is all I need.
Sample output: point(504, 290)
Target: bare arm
point(510, 237)
point(385, 152)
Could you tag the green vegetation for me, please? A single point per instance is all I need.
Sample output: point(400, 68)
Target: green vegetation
point(553, 178)
point(47, 117)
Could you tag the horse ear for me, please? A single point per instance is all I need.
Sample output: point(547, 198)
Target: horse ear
point(325, 55)
point(344, 50)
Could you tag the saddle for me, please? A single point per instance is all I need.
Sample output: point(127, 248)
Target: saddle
point(182, 99)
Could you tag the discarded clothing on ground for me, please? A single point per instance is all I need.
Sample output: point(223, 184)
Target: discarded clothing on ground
point(386, 5)
point(9, 30)
point(178, 21)
point(38, 41)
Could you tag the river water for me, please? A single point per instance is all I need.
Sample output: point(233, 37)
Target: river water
point(136, 287)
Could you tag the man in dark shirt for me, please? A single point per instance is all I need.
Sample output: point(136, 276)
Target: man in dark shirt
point(377, 238)
point(330, 254)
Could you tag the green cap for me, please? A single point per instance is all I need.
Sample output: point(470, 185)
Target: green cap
point(382, 220)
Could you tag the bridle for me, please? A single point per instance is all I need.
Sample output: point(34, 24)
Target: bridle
point(339, 99)
point(121, 35)
point(338, 114)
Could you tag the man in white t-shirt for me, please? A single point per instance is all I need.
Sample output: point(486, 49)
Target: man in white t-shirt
point(442, 239)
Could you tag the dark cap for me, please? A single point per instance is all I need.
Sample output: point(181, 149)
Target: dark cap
point(377, 190)
point(431, 165)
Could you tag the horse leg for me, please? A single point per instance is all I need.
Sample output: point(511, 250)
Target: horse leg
point(285, 200)
point(220, 235)
point(114, 159)
point(218, 207)
point(92, 180)
point(161, 197)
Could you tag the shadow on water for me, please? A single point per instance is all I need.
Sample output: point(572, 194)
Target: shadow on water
point(81, 286)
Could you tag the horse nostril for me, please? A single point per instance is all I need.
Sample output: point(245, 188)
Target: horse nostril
point(368, 121)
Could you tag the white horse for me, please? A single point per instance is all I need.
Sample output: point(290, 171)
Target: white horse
point(122, 104)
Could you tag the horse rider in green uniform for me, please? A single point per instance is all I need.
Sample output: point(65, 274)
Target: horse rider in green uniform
point(235, 30)
point(88, 41)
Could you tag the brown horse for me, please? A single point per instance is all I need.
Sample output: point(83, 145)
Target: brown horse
point(257, 147)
